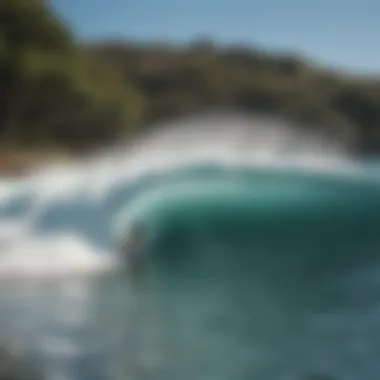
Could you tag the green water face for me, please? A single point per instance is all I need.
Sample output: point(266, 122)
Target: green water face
point(271, 208)
point(258, 277)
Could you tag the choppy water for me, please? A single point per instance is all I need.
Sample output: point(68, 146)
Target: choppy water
point(261, 265)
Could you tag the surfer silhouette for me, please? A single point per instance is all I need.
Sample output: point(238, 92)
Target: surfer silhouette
point(132, 249)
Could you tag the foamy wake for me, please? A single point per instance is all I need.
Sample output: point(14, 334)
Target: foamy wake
point(222, 140)
point(60, 255)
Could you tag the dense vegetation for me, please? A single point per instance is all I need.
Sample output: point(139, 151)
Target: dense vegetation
point(182, 80)
point(51, 91)
point(56, 92)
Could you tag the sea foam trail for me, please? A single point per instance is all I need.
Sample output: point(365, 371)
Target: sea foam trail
point(62, 224)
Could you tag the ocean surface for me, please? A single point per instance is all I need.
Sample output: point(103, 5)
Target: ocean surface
point(262, 261)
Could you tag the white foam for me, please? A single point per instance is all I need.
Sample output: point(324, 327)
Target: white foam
point(59, 255)
point(224, 140)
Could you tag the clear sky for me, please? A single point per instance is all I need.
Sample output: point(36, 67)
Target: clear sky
point(343, 33)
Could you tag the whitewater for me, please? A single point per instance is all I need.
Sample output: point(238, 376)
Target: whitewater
point(60, 212)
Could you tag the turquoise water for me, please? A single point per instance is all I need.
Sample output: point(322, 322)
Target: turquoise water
point(251, 274)
point(262, 275)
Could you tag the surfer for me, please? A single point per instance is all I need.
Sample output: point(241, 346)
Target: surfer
point(131, 249)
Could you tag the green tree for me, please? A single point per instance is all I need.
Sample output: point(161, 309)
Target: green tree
point(52, 91)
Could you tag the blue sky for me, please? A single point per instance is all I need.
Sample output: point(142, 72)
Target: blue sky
point(343, 33)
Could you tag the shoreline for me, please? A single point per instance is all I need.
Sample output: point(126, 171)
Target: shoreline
point(19, 163)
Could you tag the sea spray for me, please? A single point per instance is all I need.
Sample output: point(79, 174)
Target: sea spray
point(79, 199)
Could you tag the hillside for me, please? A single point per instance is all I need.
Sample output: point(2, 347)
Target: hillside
point(181, 80)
